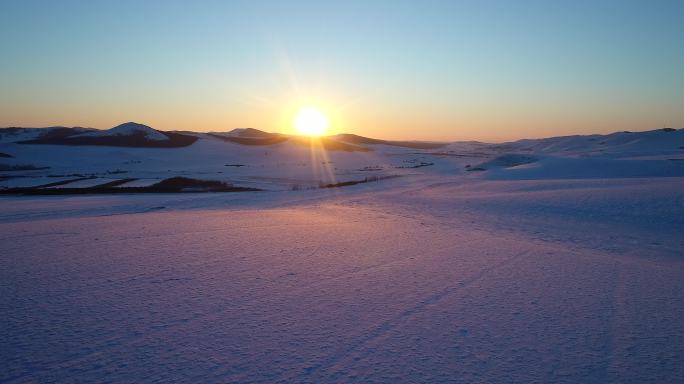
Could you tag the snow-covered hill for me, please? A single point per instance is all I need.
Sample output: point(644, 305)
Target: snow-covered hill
point(248, 132)
point(618, 144)
point(18, 134)
point(253, 158)
point(128, 129)
point(124, 135)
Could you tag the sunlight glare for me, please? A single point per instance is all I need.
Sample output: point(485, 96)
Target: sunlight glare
point(311, 121)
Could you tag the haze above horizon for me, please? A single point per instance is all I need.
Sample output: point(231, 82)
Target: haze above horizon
point(434, 70)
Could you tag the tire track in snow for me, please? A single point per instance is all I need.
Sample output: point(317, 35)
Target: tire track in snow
point(616, 327)
point(401, 318)
point(123, 342)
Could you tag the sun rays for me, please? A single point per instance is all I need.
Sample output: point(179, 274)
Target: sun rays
point(311, 121)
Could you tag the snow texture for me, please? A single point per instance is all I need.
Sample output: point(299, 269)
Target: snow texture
point(565, 268)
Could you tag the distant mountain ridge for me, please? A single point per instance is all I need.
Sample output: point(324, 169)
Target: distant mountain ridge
point(250, 132)
point(288, 162)
point(128, 129)
point(356, 139)
point(132, 134)
point(124, 135)
point(623, 142)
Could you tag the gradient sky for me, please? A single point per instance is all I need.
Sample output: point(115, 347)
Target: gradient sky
point(486, 70)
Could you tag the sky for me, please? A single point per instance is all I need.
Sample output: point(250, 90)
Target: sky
point(431, 70)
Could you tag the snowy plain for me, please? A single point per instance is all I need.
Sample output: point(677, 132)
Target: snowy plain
point(557, 262)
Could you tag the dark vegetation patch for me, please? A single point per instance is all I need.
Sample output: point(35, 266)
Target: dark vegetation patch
point(184, 183)
point(276, 138)
point(342, 142)
point(415, 164)
point(234, 165)
point(453, 154)
point(474, 169)
point(63, 182)
point(171, 185)
point(371, 168)
point(114, 183)
point(252, 132)
point(6, 155)
point(356, 139)
point(272, 139)
point(329, 144)
point(136, 140)
point(69, 175)
point(20, 167)
point(354, 182)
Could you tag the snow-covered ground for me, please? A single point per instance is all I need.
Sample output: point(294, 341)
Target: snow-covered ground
point(545, 265)
point(486, 281)
point(296, 164)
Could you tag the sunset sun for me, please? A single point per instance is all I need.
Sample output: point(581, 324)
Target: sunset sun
point(311, 121)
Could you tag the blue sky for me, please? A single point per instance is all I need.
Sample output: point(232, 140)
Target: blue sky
point(489, 70)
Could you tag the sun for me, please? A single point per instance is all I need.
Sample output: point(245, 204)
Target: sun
point(311, 121)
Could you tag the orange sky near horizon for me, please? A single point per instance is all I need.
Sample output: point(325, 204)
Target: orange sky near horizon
point(487, 70)
point(423, 123)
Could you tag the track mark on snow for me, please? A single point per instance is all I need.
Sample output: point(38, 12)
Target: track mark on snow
point(402, 317)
